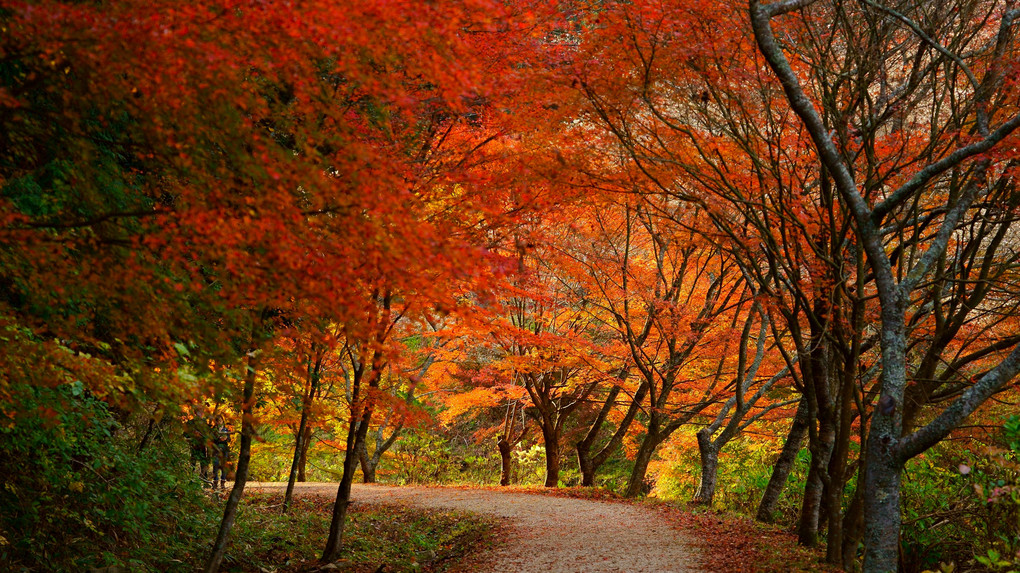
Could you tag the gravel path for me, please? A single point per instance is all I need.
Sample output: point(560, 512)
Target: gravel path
point(547, 534)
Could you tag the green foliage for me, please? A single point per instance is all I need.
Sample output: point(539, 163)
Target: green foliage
point(422, 457)
point(963, 505)
point(994, 481)
point(78, 493)
point(530, 465)
point(932, 493)
point(745, 466)
point(273, 454)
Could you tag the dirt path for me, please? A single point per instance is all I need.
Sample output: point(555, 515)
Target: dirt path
point(547, 534)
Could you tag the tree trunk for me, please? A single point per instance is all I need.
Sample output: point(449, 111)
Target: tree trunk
point(709, 468)
point(355, 433)
point(644, 456)
point(853, 525)
point(299, 437)
point(838, 470)
point(584, 457)
point(784, 465)
point(552, 455)
point(814, 490)
point(367, 467)
point(303, 460)
point(881, 506)
point(504, 461)
point(586, 465)
point(243, 459)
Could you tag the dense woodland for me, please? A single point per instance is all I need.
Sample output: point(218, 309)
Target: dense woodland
point(753, 256)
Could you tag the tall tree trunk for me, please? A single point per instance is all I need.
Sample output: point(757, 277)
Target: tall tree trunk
point(709, 467)
point(552, 454)
point(814, 490)
point(853, 525)
point(882, 508)
point(243, 459)
point(303, 460)
point(584, 457)
point(367, 467)
point(784, 465)
point(299, 437)
point(504, 461)
point(586, 465)
point(302, 434)
point(641, 461)
point(356, 432)
point(837, 471)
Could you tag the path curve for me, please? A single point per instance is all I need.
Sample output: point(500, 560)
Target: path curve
point(548, 534)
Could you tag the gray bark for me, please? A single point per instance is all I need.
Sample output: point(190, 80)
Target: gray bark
point(709, 468)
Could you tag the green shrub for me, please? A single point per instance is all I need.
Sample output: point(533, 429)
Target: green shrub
point(77, 492)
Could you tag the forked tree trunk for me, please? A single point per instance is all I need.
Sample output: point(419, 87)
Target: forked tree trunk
point(301, 436)
point(356, 432)
point(584, 458)
point(590, 464)
point(784, 465)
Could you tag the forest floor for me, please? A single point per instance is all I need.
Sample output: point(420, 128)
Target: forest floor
point(549, 534)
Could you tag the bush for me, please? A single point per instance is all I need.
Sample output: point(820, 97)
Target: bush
point(422, 458)
point(78, 493)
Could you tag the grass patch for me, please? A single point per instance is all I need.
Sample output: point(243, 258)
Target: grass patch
point(376, 537)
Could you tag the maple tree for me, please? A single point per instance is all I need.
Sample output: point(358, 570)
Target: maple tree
point(602, 221)
point(710, 112)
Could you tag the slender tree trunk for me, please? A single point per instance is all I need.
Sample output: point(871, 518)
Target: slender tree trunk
point(355, 433)
point(302, 435)
point(784, 465)
point(299, 437)
point(837, 472)
point(303, 460)
point(243, 459)
point(709, 451)
point(504, 461)
point(584, 458)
